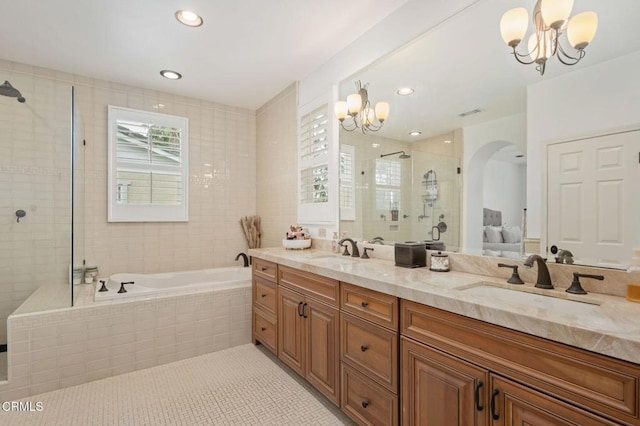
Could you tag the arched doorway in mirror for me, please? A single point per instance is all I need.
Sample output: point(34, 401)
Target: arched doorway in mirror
point(495, 199)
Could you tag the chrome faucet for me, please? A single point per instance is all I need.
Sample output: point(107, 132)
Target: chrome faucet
point(544, 279)
point(245, 258)
point(354, 247)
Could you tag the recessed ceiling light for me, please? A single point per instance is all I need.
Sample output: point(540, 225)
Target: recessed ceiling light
point(171, 75)
point(189, 18)
point(158, 106)
point(375, 145)
point(404, 91)
point(416, 133)
point(447, 141)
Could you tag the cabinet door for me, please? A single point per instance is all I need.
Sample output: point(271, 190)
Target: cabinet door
point(514, 404)
point(290, 329)
point(322, 340)
point(441, 390)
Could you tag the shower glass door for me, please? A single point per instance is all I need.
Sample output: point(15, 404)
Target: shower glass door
point(36, 221)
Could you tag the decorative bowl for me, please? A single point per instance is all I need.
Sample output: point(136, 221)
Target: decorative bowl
point(296, 244)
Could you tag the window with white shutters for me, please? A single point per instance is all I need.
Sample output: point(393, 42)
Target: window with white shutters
point(315, 186)
point(148, 170)
point(388, 178)
point(347, 182)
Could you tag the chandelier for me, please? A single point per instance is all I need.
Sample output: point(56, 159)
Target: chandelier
point(551, 20)
point(358, 107)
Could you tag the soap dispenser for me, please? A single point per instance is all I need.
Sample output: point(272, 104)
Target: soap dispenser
point(334, 243)
point(633, 283)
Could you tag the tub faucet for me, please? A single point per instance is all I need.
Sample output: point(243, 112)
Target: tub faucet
point(245, 258)
point(354, 247)
point(544, 279)
point(122, 284)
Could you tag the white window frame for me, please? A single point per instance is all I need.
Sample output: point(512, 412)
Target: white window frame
point(319, 213)
point(348, 183)
point(390, 187)
point(121, 212)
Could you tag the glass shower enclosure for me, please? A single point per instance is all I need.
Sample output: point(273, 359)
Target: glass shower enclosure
point(41, 225)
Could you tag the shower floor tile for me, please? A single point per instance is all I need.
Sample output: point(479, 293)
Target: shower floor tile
point(244, 385)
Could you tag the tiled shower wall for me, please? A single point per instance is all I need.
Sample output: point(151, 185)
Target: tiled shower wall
point(426, 154)
point(34, 176)
point(35, 160)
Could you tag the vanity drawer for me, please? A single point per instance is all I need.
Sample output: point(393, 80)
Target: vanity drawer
point(265, 330)
point(596, 382)
point(265, 269)
point(371, 349)
point(264, 294)
point(321, 288)
point(369, 304)
point(367, 402)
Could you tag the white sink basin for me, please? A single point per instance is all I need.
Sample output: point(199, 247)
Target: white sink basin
point(521, 297)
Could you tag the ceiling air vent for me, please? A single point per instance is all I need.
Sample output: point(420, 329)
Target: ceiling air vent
point(473, 111)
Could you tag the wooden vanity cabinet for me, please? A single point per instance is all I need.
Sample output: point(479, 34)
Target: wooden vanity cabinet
point(514, 404)
point(369, 355)
point(438, 389)
point(264, 314)
point(308, 328)
point(487, 373)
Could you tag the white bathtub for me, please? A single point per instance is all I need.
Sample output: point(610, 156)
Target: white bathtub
point(173, 282)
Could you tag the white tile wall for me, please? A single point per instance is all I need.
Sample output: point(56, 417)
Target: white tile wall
point(56, 349)
point(276, 147)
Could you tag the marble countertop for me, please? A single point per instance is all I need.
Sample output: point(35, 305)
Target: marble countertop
point(599, 323)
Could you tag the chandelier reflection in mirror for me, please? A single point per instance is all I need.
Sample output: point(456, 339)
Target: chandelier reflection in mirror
point(551, 20)
point(358, 108)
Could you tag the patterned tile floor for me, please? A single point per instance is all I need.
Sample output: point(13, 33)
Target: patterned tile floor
point(244, 385)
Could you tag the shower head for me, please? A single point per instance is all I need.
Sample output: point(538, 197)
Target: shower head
point(7, 89)
point(403, 155)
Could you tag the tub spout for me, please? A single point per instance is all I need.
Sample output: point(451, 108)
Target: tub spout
point(245, 258)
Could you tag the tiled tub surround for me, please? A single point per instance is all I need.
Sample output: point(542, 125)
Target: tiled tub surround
point(611, 329)
point(55, 349)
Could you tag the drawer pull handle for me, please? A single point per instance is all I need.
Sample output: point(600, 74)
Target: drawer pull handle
point(494, 394)
point(304, 315)
point(364, 303)
point(264, 268)
point(300, 311)
point(263, 295)
point(476, 396)
point(365, 403)
point(263, 328)
point(364, 348)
